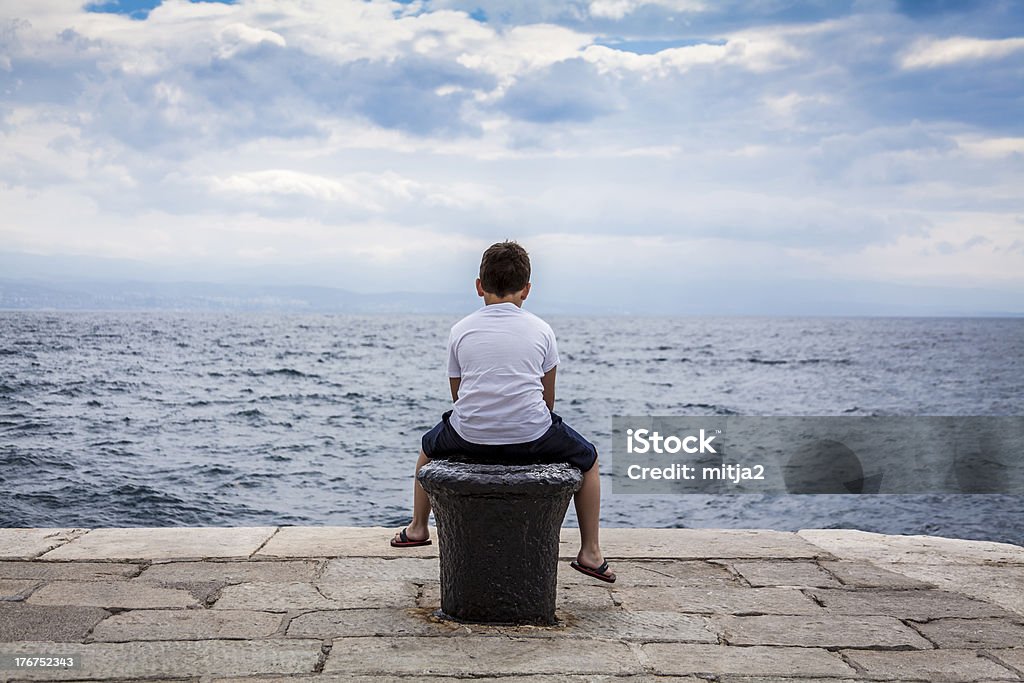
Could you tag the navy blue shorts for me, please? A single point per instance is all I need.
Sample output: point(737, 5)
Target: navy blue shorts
point(561, 443)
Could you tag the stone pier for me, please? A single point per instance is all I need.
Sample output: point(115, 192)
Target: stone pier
point(339, 604)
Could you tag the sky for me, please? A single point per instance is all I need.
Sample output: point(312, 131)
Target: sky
point(645, 152)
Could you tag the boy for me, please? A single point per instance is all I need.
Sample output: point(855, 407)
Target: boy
point(501, 366)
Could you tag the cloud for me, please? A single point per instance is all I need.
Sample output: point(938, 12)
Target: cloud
point(617, 9)
point(932, 53)
point(816, 135)
point(570, 90)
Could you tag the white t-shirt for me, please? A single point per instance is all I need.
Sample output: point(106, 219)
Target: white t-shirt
point(501, 351)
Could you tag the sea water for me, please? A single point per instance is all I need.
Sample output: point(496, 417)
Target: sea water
point(218, 419)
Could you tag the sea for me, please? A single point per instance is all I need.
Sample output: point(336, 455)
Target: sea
point(138, 419)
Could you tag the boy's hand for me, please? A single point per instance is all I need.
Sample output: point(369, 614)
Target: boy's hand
point(548, 382)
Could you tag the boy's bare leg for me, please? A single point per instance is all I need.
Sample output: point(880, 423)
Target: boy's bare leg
point(418, 529)
point(588, 514)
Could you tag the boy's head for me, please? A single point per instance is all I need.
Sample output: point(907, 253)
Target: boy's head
point(504, 269)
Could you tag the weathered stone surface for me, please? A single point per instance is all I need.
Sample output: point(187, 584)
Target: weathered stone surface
point(615, 624)
point(763, 573)
point(175, 658)
point(20, 621)
point(231, 571)
point(954, 634)
point(68, 571)
point(866, 575)
point(931, 665)
point(285, 596)
point(656, 573)
point(110, 594)
point(186, 624)
point(158, 543)
point(664, 615)
point(414, 569)
point(826, 631)
point(684, 659)
point(919, 605)
point(29, 543)
point(724, 600)
point(339, 541)
point(350, 623)
point(782, 679)
point(645, 626)
point(695, 544)
point(569, 597)
point(16, 589)
point(346, 678)
point(479, 656)
point(1012, 658)
point(850, 544)
point(1000, 585)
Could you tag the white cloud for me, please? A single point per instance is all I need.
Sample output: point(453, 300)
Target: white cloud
point(931, 53)
point(354, 131)
point(991, 147)
point(617, 9)
point(238, 36)
point(756, 52)
point(372, 192)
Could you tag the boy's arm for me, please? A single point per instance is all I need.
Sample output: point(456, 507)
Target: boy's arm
point(455, 382)
point(548, 382)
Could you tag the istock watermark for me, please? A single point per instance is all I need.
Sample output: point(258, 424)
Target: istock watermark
point(825, 455)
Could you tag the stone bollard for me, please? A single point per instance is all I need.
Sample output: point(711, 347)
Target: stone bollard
point(498, 528)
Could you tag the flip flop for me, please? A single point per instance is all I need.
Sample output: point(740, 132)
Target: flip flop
point(596, 572)
point(407, 542)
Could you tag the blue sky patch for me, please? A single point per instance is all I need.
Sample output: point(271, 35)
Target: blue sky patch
point(136, 9)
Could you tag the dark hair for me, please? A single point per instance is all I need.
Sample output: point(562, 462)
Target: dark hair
point(504, 268)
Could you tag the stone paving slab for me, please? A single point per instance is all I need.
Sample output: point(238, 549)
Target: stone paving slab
point(16, 589)
point(865, 575)
point(800, 574)
point(158, 543)
point(414, 569)
point(851, 544)
point(29, 543)
point(570, 597)
point(695, 544)
point(1011, 658)
point(339, 541)
point(955, 633)
point(479, 656)
point(353, 623)
point(384, 678)
point(286, 596)
point(1002, 585)
point(172, 658)
point(20, 621)
point(186, 624)
point(231, 571)
point(641, 626)
point(656, 573)
point(718, 600)
point(827, 631)
point(782, 679)
point(69, 571)
point(121, 594)
point(919, 605)
point(690, 604)
point(681, 659)
point(933, 666)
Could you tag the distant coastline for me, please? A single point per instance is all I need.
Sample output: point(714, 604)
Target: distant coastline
point(54, 294)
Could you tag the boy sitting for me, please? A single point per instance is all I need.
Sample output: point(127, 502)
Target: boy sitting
point(501, 366)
